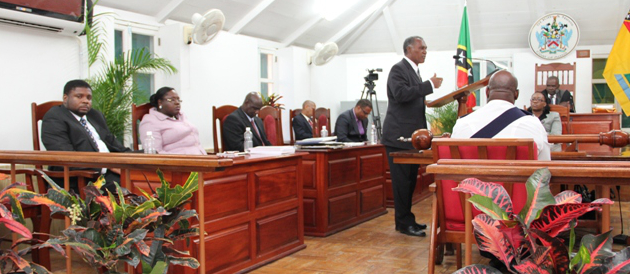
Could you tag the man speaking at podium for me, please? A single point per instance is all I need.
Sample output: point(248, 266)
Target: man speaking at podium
point(405, 114)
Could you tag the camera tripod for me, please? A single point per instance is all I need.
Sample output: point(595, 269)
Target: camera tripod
point(370, 94)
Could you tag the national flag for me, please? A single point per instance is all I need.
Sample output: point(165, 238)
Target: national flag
point(464, 62)
point(617, 71)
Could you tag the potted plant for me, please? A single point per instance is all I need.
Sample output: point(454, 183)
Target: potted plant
point(12, 260)
point(112, 87)
point(443, 119)
point(526, 242)
point(110, 228)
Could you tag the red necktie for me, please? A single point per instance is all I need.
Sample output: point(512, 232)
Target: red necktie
point(310, 122)
point(257, 133)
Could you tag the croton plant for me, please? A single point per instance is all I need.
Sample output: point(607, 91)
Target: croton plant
point(527, 242)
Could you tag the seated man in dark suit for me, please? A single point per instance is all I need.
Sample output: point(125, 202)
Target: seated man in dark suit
point(351, 125)
point(303, 123)
point(243, 117)
point(75, 126)
point(556, 96)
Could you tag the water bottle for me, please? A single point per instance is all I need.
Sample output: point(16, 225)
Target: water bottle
point(248, 143)
point(324, 132)
point(149, 143)
point(373, 135)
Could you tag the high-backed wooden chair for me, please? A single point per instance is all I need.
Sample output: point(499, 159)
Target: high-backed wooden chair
point(218, 116)
point(137, 112)
point(292, 114)
point(565, 117)
point(448, 225)
point(272, 120)
point(322, 118)
point(564, 71)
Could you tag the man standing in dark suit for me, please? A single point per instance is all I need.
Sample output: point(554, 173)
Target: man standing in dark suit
point(303, 123)
point(243, 117)
point(351, 125)
point(556, 96)
point(75, 126)
point(405, 114)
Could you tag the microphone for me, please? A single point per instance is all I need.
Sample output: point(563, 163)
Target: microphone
point(496, 67)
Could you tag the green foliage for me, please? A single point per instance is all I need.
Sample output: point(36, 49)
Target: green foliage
point(112, 87)
point(535, 228)
point(11, 260)
point(124, 227)
point(444, 117)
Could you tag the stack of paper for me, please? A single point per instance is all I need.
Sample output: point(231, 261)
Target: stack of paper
point(271, 150)
point(320, 142)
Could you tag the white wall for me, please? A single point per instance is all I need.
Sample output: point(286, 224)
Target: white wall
point(36, 65)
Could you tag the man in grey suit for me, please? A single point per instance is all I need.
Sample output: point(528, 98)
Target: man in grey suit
point(405, 114)
point(244, 117)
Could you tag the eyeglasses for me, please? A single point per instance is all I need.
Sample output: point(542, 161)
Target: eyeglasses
point(365, 112)
point(537, 100)
point(170, 100)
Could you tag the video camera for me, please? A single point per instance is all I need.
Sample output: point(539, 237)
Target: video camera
point(372, 75)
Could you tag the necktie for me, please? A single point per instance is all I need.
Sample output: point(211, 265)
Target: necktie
point(553, 99)
point(257, 133)
point(360, 126)
point(310, 122)
point(89, 132)
point(418, 72)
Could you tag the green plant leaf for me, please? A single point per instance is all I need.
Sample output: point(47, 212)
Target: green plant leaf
point(620, 263)
point(487, 205)
point(538, 195)
point(187, 261)
point(581, 258)
point(159, 268)
point(444, 117)
point(496, 192)
point(599, 249)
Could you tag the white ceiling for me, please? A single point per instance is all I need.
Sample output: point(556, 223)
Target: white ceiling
point(494, 24)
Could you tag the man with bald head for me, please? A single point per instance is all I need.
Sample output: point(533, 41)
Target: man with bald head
point(243, 117)
point(499, 118)
point(303, 123)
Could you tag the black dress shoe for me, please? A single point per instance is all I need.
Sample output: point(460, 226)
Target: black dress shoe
point(412, 231)
point(418, 226)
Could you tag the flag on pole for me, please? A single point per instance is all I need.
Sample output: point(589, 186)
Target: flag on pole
point(464, 61)
point(617, 71)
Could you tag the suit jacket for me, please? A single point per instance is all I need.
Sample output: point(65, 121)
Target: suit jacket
point(561, 96)
point(302, 128)
point(405, 105)
point(234, 128)
point(347, 130)
point(61, 131)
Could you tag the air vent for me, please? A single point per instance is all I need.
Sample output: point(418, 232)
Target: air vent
point(29, 25)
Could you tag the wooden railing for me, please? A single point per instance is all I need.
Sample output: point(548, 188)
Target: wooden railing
point(126, 162)
point(601, 173)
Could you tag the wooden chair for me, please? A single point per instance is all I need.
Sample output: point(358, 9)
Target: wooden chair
point(272, 120)
point(564, 71)
point(218, 116)
point(322, 118)
point(292, 114)
point(448, 222)
point(565, 117)
point(137, 112)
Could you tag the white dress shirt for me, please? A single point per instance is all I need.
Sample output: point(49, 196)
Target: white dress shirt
point(525, 127)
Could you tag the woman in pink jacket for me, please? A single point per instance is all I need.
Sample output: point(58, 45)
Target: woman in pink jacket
point(173, 134)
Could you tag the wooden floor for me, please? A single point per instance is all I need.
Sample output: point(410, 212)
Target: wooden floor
point(371, 247)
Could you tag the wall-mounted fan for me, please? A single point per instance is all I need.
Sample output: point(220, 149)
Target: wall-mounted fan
point(205, 27)
point(324, 53)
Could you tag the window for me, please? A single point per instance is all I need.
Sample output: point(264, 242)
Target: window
point(601, 93)
point(481, 69)
point(124, 41)
point(267, 60)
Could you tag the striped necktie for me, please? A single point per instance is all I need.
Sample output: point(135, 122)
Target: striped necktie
point(89, 132)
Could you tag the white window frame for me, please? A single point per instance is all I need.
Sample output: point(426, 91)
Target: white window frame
point(128, 29)
point(273, 70)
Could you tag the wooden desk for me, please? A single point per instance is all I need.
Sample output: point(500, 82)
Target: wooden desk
point(594, 123)
point(342, 188)
point(253, 212)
